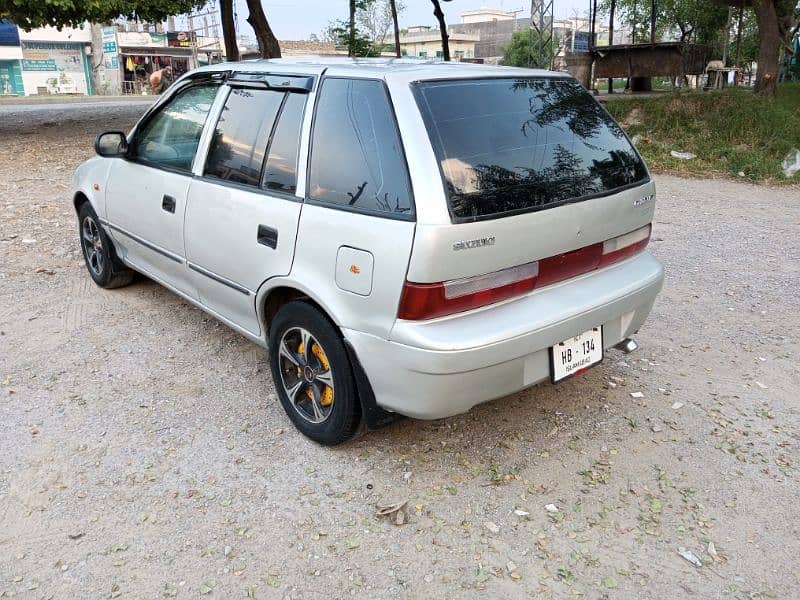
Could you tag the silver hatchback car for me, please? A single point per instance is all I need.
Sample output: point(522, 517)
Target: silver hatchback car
point(404, 237)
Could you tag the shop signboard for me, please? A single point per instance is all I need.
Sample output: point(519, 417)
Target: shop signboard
point(142, 39)
point(110, 48)
point(180, 39)
point(52, 56)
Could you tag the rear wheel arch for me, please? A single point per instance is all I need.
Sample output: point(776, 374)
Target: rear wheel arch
point(282, 295)
point(374, 416)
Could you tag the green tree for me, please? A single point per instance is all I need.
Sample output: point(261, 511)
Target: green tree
point(375, 18)
point(777, 20)
point(365, 32)
point(30, 14)
point(698, 20)
point(522, 50)
point(354, 40)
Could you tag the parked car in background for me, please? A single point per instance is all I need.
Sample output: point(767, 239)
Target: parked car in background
point(404, 237)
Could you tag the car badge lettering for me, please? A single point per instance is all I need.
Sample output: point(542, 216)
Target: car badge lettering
point(476, 243)
point(643, 200)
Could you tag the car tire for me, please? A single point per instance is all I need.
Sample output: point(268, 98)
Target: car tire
point(313, 375)
point(102, 262)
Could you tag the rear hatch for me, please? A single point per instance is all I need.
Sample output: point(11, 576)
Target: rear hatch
point(541, 185)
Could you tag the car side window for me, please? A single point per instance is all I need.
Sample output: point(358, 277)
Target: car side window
point(357, 158)
point(241, 135)
point(170, 138)
point(280, 172)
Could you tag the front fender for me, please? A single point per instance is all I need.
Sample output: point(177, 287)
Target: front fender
point(90, 179)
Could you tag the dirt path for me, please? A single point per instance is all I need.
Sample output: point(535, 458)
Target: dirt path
point(143, 452)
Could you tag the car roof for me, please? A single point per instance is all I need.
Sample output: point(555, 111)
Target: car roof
point(403, 69)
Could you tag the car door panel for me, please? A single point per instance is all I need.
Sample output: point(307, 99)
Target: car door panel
point(242, 216)
point(227, 260)
point(146, 192)
point(149, 236)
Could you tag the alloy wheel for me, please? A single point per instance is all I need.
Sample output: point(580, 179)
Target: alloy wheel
point(306, 375)
point(92, 246)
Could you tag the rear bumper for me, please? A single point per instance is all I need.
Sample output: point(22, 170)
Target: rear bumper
point(443, 367)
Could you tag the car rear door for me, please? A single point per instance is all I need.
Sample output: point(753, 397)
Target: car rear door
point(357, 226)
point(242, 213)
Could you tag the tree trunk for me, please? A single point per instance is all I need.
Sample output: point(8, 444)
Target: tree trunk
point(397, 52)
point(769, 47)
point(437, 12)
point(352, 41)
point(653, 9)
point(229, 30)
point(96, 58)
point(268, 46)
point(611, 40)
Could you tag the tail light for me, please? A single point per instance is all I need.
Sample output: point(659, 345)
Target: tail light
point(625, 245)
point(430, 300)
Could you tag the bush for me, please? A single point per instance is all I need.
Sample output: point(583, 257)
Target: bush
point(730, 130)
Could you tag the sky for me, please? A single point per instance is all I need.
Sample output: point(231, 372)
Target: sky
point(296, 20)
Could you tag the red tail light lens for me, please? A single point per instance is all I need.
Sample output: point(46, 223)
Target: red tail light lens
point(430, 300)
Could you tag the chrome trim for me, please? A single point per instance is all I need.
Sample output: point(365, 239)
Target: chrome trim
point(143, 242)
point(219, 279)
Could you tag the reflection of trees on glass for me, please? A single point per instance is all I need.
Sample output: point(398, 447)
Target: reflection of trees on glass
point(553, 102)
point(525, 144)
point(240, 138)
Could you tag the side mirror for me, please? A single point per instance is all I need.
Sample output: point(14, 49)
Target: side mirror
point(111, 144)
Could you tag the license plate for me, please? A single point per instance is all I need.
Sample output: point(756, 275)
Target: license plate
point(576, 354)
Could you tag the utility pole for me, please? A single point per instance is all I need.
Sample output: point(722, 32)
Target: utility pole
point(542, 24)
point(611, 40)
point(727, 38)
point(739, 38)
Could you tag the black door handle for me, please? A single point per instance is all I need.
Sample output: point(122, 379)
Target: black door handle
point(267, 236)
point(168, 203)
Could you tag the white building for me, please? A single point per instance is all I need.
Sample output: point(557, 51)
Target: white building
point(483, 15)
point(56, 62)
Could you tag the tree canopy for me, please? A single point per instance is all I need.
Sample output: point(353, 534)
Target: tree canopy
point(523, 48)
point(30, 14)
point(688, 20)
point(372, 22)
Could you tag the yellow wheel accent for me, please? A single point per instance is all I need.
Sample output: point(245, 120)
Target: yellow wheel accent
point(326, 399)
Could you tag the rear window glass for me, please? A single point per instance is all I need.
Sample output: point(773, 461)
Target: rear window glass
point(357, 158)
point(515, 145)
point(280, 172)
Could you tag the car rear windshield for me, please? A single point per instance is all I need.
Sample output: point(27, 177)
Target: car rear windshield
point(507, 146)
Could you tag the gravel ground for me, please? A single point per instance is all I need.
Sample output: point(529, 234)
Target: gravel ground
point(144, 453)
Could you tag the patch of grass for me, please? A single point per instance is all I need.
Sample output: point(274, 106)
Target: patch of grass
point(730, 131)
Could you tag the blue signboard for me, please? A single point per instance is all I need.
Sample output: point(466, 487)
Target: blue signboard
point(9, 34)
point(582, 39)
